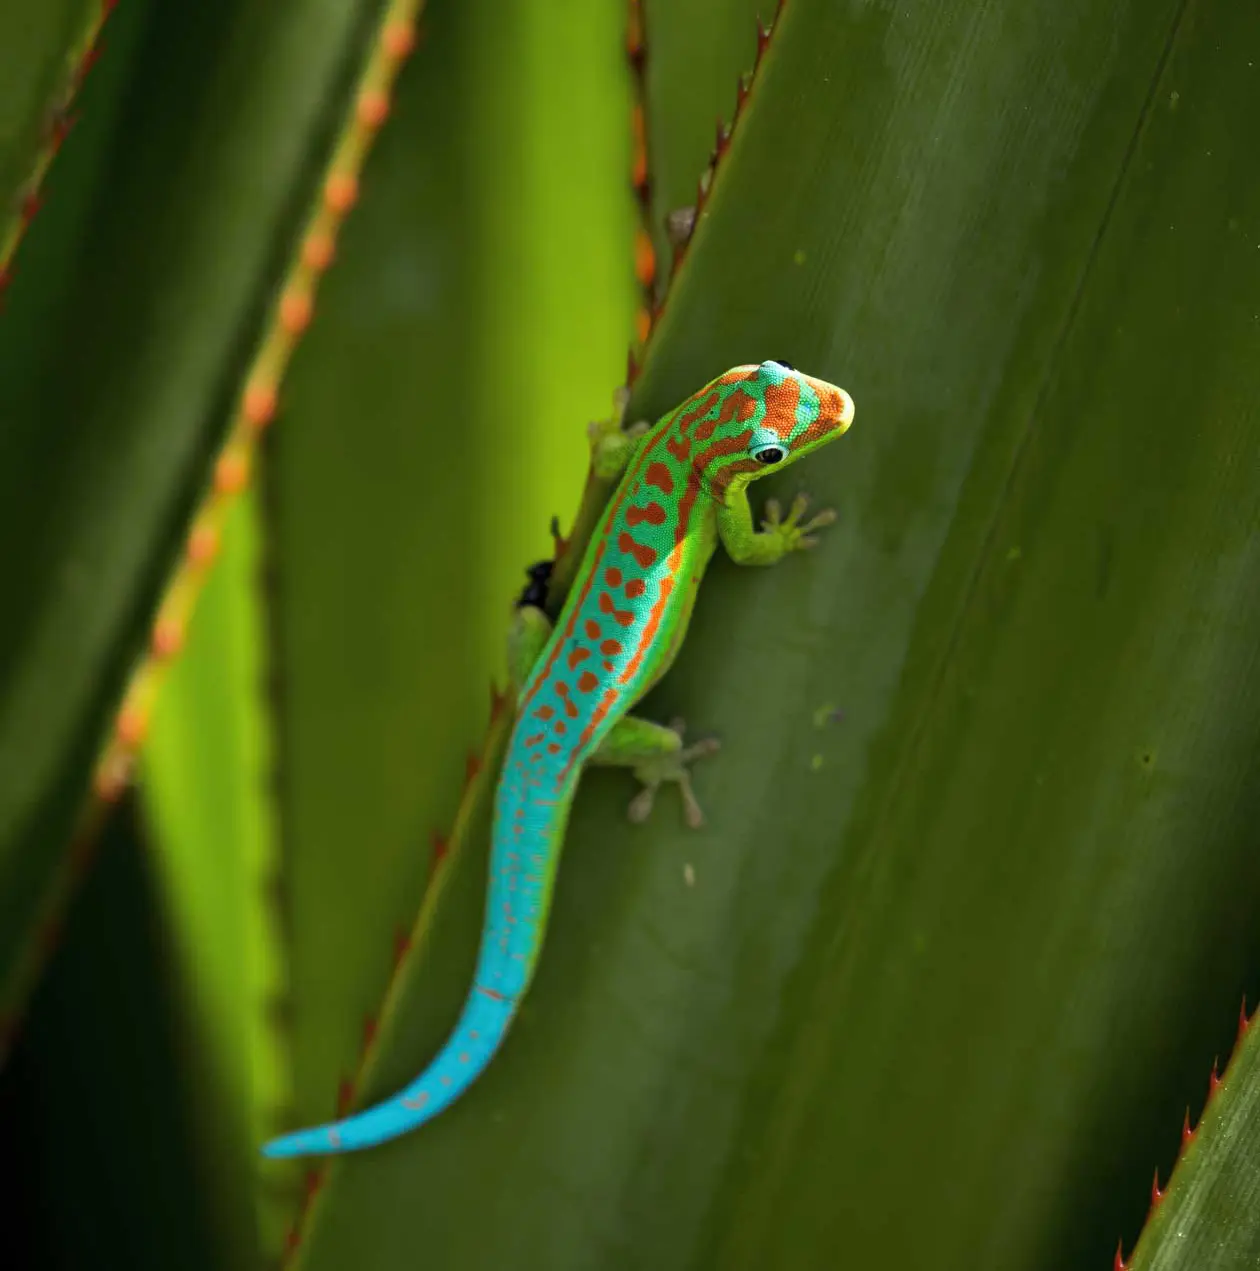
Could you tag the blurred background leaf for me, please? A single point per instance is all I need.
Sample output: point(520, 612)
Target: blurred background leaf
point(41, 63)
point(99, 469)
point(974, 907)
point(205, 793)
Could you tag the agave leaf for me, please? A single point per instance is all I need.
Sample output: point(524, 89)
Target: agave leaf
point(38, 305)
point(977, 893)
point(205, 789)
point(99, 468)
point(40, 49)
point(1207, 1216)
point(977, 881)
point(97, 1107)
point(693, 58)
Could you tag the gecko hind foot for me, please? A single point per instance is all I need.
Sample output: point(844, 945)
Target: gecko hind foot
point(672, 767)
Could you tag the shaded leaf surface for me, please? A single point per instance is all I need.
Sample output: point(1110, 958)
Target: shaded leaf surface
point(98, 469)
point(112, 1180)
point(35, 45)
point(694, 57)
point(206, 793)
point(924, 987)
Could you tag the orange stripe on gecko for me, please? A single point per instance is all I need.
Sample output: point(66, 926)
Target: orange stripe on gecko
point(736, 445)
point(698, 411)
point(606, 703)
point(685, 504)
point(739, 405)
point(655, 615)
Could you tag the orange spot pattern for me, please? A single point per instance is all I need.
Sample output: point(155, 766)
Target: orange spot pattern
point(644, 555)
point(659, 475)
point(679, 447)
point(652, 513)
point(623, 617)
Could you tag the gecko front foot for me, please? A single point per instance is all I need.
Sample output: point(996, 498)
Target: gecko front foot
point(671, 767)
point(792, 534)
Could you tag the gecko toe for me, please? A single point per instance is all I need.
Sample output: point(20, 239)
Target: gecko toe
point(640, 807)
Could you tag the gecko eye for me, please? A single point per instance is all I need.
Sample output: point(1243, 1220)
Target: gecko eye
point(767, 446)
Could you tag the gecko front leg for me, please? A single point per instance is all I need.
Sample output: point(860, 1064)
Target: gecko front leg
point(778, 535)
point(612, 446)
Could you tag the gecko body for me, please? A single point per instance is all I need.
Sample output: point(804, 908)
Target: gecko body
point(682, 490)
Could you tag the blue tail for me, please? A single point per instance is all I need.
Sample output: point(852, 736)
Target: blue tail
point(468, 1050)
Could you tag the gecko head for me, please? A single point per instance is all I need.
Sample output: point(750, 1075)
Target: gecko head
point(767, 416)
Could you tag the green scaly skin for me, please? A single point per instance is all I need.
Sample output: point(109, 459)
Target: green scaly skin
point(683, 488)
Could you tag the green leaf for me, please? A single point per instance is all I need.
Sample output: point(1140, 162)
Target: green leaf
point(40, 46)
point(694, 58)
point(980, 841)
point(974, 907)
point(99, 468)
point(1207, 1217)
point(97, 1107)
point(205, 786)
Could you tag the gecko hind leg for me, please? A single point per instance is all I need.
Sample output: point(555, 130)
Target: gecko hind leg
point(530, 631)
point(655, 754)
